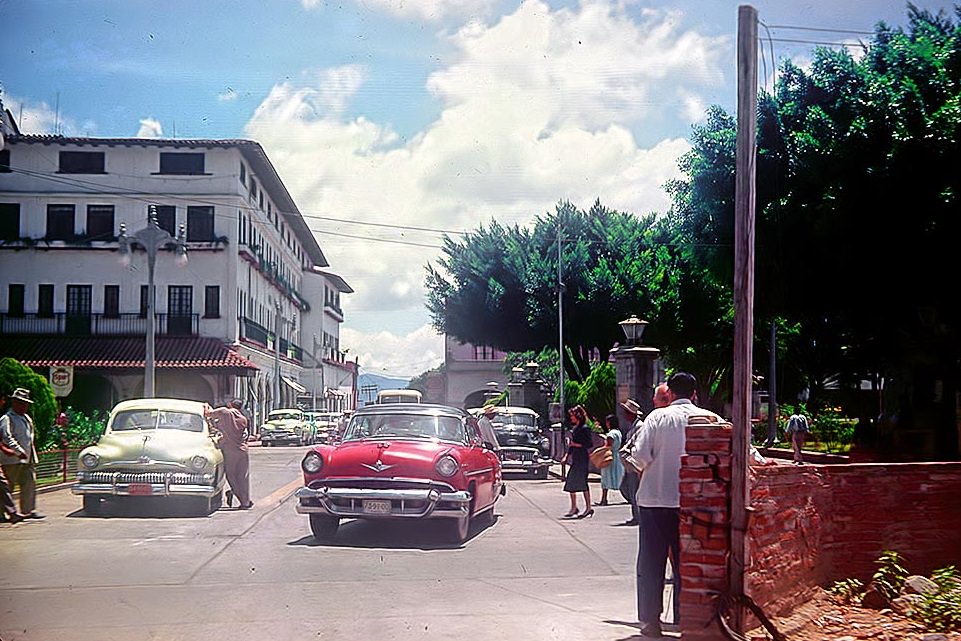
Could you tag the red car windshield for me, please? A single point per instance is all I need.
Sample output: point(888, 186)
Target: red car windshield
point(445, 428)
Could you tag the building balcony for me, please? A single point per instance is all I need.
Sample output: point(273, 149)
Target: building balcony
point(61, 323)
point(253, 332)
point(334, 311)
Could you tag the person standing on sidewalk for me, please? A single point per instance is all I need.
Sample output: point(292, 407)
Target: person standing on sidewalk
point(613, 474)
point(578, 458)
point(20, 468)
point(658, 449)
point(230, 422)
point(6, 495)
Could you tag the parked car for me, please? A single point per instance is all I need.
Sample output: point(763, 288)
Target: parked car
point(523, 446)
point(285, 426)
point(403, 461)
point(159, 447)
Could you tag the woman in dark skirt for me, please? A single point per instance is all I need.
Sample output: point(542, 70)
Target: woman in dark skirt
point(577, 458)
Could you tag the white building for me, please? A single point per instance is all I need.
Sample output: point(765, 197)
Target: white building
point(254, 271)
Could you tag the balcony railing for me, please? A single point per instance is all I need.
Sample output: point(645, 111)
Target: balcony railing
point(257, 333)
point(97, 324)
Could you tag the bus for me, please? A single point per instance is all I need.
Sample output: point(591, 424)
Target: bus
point(398, 396)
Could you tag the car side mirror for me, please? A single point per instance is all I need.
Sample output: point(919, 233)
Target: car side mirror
point(488, 445)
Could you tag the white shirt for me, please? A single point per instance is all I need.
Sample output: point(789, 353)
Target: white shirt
point(658, 447)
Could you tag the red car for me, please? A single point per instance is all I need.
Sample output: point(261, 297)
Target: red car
point(403, 461)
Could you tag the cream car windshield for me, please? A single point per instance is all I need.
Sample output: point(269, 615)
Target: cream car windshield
point(284, 416)
point(445, 428)
point(157, 419)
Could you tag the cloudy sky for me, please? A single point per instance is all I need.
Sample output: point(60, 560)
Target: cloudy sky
point(394, 121)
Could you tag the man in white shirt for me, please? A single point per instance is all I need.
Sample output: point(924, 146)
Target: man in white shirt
point(658, 448)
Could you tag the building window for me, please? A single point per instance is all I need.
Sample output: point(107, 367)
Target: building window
point(4, 161)
point(182, 164)
point(45, 301)
point(82, 162)
point(100, 222)
point(15, 295)
point(111, 301)
point(243, 174)
point(144, 300)
point(60, 222)
point(200, 224)
point(212, 301)
point(9, 221)
point(167, 218)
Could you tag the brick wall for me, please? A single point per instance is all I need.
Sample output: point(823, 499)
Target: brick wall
point(815, 524)
point(705, 479)
point(810, 525)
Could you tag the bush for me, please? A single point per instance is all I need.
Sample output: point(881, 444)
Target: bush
point(941, 611)
point(890, 575)
point(848, 591)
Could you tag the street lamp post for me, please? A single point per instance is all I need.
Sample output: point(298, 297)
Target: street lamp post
point(152, 238)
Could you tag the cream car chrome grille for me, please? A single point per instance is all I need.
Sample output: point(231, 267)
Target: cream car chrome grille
point(175, 478)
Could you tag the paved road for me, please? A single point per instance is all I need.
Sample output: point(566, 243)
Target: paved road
point(259, 574)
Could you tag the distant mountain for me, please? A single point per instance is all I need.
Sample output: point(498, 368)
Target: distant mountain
point(369, 384)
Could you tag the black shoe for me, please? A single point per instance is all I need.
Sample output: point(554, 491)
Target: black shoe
point(586, 515)
point(229, 498)
point(249, 505)
point(632, 522)
point(16, 518)
point(570, 515)
point(652, 630)
point(34, 515)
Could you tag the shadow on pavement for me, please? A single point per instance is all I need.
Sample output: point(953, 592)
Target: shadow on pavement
point(373, 534)
point(145, 507)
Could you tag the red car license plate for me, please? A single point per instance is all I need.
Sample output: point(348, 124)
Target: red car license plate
point(376, 507)
point(140, 489)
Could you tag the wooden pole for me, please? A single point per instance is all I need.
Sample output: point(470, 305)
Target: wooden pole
point(743, 295)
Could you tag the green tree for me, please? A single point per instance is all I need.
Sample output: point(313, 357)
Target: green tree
point(498, 286)
point(14, 374)
point(857, 194)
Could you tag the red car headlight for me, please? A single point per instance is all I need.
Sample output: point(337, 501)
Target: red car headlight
point(312, 463)
point(446, 466)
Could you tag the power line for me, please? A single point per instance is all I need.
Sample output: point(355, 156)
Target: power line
point(820, 42)
point(826, 29)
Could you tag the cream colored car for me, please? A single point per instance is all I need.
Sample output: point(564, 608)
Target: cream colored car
point(154, 447)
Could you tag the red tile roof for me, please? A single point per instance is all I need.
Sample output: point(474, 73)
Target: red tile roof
point(127, 352)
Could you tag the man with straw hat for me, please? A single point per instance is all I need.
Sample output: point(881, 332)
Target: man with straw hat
point(17, 434)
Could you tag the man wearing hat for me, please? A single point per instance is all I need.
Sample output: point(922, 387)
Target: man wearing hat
point(16, 433)
point(631, 479)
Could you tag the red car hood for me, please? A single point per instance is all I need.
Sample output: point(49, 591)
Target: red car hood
point(397, 458)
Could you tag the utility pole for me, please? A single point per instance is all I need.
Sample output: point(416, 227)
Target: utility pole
point(560, 338)
point(744, 202)
point(772, 389)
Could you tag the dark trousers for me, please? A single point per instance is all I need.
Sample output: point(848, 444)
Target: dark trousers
point(658, 534)
point(6, 496)
point(237, 469)
point(628, 489)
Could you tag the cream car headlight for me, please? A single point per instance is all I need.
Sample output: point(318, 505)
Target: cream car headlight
point(312, 463)
point(198, 462)
point(90, 460)
point(446, 466)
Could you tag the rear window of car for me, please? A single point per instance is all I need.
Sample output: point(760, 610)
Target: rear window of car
point(506, 420)
point(445, 428)
point(153, 419)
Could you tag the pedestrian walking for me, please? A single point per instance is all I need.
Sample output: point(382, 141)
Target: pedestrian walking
point(658, 449)
point(578, 457)
point(20, 466)
point(9, 512)
point(231, 423)
point(797, 430)
point(613, 474)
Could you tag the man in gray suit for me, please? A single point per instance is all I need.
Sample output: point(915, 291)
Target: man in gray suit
point(16, 433)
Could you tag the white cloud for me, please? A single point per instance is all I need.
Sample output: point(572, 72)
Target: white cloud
point(423, 10)
point(150, 128)
point(389, 354)
point(538, 107)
